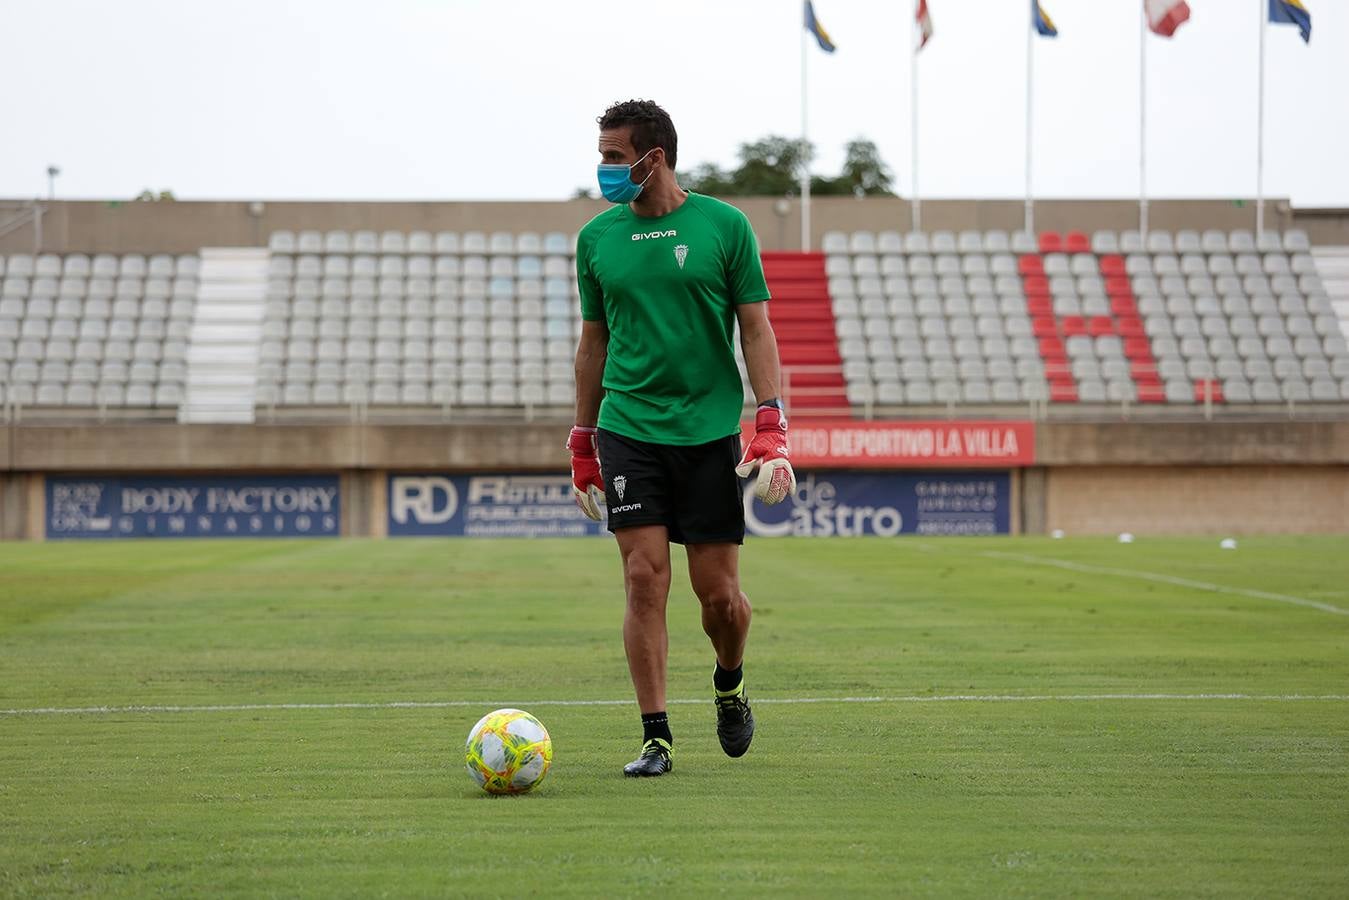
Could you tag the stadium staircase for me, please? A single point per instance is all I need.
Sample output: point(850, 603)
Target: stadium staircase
point(222, 358)
point(1053, 331)
point(803, 321)
point(1332, 264)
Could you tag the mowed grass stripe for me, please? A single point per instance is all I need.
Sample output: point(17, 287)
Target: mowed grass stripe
point(780, 701)
point(1150, 799)
point(303, 621)
point(1167, 579)
point(930, 746)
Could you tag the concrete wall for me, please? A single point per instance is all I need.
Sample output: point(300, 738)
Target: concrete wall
point(1179, 478)
point(169, 447)
point(1227, 500)
point(1229, 477)
point(186, 226)
point(1192, 443)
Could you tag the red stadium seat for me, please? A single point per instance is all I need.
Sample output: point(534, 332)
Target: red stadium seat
point(1058, 370)
point(1062, 393)
point(1112, 264)
point(1137, 351)
point(1130, 326)
point(1144, 372)
point(1051, 242)
point(1040, 305)
point(1100, 325)
point(1076, 242)
point(1036, 286)
point(1072, 326)
point(1118, 286)
point(1214, 389)
point(1123, 305)
point(1051, 350)
point(1151, 393)
point(1030, 264)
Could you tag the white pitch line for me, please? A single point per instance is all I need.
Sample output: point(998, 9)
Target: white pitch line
point(485, 704)
point(1165, 579)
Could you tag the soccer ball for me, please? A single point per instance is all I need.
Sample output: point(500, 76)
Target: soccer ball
point(508, 752)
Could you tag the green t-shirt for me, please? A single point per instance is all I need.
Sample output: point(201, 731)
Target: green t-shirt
point(667, 288)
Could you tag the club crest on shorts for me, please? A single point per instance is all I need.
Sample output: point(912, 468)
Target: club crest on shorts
point(681, 252)
point(620, 484)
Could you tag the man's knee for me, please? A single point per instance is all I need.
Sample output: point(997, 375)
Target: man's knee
point(648, 580)
point(721, 597)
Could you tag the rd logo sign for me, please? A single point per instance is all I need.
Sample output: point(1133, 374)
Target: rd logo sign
point(423, 500)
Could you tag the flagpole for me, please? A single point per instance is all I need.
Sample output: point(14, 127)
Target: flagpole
point(1143, 123)
point(916, 204)
point(1260, 130)
point(1030, 120)
point(805, 155)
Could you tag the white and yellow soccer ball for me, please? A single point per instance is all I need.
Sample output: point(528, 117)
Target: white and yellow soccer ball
point(509, 751)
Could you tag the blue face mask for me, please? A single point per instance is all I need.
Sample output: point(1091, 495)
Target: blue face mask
point(616, 182)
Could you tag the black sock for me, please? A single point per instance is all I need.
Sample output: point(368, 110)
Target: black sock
point(656, 725)
point(727, 679)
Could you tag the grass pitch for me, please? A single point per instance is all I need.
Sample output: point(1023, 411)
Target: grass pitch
point(1191, 736)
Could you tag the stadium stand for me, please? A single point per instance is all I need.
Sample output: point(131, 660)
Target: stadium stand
point(109, 332)
point(877, 322)
point(420, 320)
point(991, 318)
point(804, 324)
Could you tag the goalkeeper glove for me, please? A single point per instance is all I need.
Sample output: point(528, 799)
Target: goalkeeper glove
point(768, 453)
point(587, 486)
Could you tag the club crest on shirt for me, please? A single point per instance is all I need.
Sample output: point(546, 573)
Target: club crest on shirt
point(681, 252)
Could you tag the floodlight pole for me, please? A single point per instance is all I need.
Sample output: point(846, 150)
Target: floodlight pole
point(1030, 78)
point(915, 205)
point(1143, 123)
point(805, 155)
point(1260, 129)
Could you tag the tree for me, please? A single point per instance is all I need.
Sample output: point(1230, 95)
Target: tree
point(865, 171)
point(771, 167)
point(708, 179)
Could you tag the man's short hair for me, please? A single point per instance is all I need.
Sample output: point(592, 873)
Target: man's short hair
point(651, 127)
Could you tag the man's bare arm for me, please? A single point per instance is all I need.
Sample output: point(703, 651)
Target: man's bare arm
point(761, 350)
point(590, 356)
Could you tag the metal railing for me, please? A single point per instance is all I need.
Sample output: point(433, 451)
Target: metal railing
point(800, 400)
point(19, 216)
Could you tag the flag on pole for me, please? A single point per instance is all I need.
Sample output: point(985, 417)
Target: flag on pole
point(924, 24)
point(1291, 12)
point(815, 28)
point(1165, 16)
point(1040, 19)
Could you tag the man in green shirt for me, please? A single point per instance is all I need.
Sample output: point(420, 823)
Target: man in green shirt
point(665, 276)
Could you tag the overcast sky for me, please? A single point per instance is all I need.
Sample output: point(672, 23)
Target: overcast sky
point(470, 99)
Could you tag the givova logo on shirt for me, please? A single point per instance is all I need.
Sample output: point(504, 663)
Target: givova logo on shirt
point(652, 235)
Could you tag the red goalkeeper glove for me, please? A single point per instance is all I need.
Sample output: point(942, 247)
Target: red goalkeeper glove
point(768, 453)
point(587, 486)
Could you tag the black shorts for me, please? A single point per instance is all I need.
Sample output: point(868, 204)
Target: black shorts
point(693, 491)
